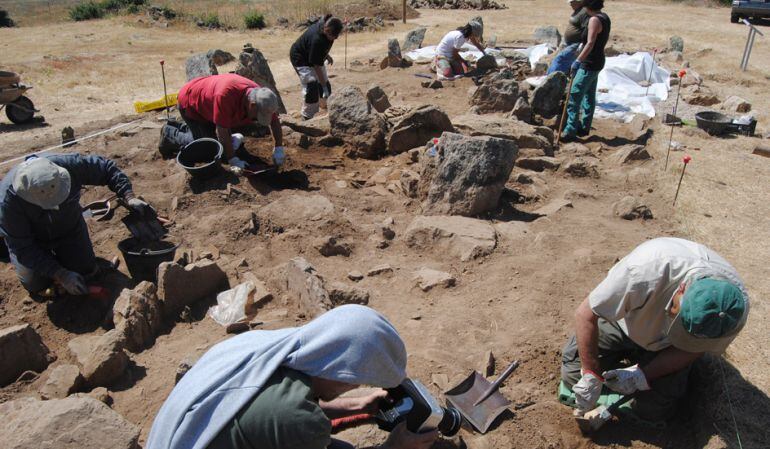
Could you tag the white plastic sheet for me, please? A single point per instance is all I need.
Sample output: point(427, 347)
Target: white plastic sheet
point(231, 304)
point(469, 52)
point(620, 96)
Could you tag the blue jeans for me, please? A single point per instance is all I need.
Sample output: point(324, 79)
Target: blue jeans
point(582, 99)
point(74, 252)
point(564, 59)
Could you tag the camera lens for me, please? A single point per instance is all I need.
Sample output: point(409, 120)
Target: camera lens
point(451, 422)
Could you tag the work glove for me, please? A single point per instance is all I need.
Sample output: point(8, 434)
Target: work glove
point(587, 391)
point(279, 156)
point(236, 162)
point(574, 67)
point(237, 140)
point(139, 206)
point(72, 282)
point(326, 90)
point(626, 380)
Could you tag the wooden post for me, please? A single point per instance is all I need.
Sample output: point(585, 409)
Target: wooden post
point(404, 3)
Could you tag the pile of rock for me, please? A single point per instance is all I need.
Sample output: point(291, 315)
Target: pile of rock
point(456, 4)
point(360, 24)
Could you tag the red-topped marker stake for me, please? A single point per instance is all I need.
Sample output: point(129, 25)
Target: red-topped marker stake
point(686, 159)
point(165, 95)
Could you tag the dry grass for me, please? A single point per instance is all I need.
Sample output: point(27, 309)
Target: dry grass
point(230, 12)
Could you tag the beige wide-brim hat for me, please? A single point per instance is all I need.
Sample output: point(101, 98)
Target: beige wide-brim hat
point(42, 183)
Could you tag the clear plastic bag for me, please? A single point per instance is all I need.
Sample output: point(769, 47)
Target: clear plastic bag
point(231, 304)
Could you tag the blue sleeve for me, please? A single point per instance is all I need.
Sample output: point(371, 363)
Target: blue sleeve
point(17, 231)
point(95, 171)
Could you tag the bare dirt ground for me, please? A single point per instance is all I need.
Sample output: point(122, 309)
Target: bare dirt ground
point(517, 302)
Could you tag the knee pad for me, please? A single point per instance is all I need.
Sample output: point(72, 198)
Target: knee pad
point(312, 92)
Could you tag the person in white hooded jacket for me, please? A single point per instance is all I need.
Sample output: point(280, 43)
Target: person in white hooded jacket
point(280, 389)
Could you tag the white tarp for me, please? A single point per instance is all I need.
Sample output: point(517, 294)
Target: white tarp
point(469, 52)
point(620, 94)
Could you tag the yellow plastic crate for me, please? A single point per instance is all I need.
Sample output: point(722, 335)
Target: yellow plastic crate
point(147, 106)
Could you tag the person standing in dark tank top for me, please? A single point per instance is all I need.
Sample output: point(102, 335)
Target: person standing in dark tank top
point(585, 72)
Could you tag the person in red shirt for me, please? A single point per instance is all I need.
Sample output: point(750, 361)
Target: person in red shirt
point(212, 106)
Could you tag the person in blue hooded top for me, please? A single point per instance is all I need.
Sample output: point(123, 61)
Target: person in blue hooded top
point(42, 222)
point(280, 389)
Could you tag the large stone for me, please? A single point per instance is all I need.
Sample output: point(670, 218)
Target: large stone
point(676, 43)
point(253, 65)
point(736, 104)
point(295, 210)
point(470, 174)
point(522, 110)
point(304, 283)
point(62, 382)
point(205, 64)
point(378, 98)
point(546, 99)
point(71, 423)
point(553, 207)
point(631, 208)
point(486, 62)
point(525, 135)
point(340, 294)
point(428, 278)
point(498, 94)
point(539, 163)
point(315, 127)
point(461, 237)
point(630, 153)
point(101, 357)
point(394, 54)
point(414, 39)
point(418, 127)
point(21, 349)
point(548, 35)
point(581, 167)
point(180, 286)
point(353, 121)
point(137, 315)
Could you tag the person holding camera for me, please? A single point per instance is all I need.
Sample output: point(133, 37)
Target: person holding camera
point(309, 55)
point(280, 389)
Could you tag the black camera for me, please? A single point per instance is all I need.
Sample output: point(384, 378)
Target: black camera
point(413, 403)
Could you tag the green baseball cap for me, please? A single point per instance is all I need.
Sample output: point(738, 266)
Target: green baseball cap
point(711, 312)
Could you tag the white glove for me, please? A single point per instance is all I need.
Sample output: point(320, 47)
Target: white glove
point(235, 162)
point(626, 380)
point(279, 156)
point(72, 282)
point(587, 391)
point(325, 91)
point(237, 140)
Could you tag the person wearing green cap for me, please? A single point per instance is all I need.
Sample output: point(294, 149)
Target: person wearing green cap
point(660, 308)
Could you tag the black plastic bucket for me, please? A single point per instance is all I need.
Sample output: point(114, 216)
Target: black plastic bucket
point(142, 260)
point(714, 123)
point(201, 158)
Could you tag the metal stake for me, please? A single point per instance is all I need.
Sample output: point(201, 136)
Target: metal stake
point(671, 136)
point(165, 95)
point(749, 44)
point(652, 68)
point(686, 161)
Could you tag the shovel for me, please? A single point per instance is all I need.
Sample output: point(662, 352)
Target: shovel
point(596, 418)
point(99, 210)
point(478, 400)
